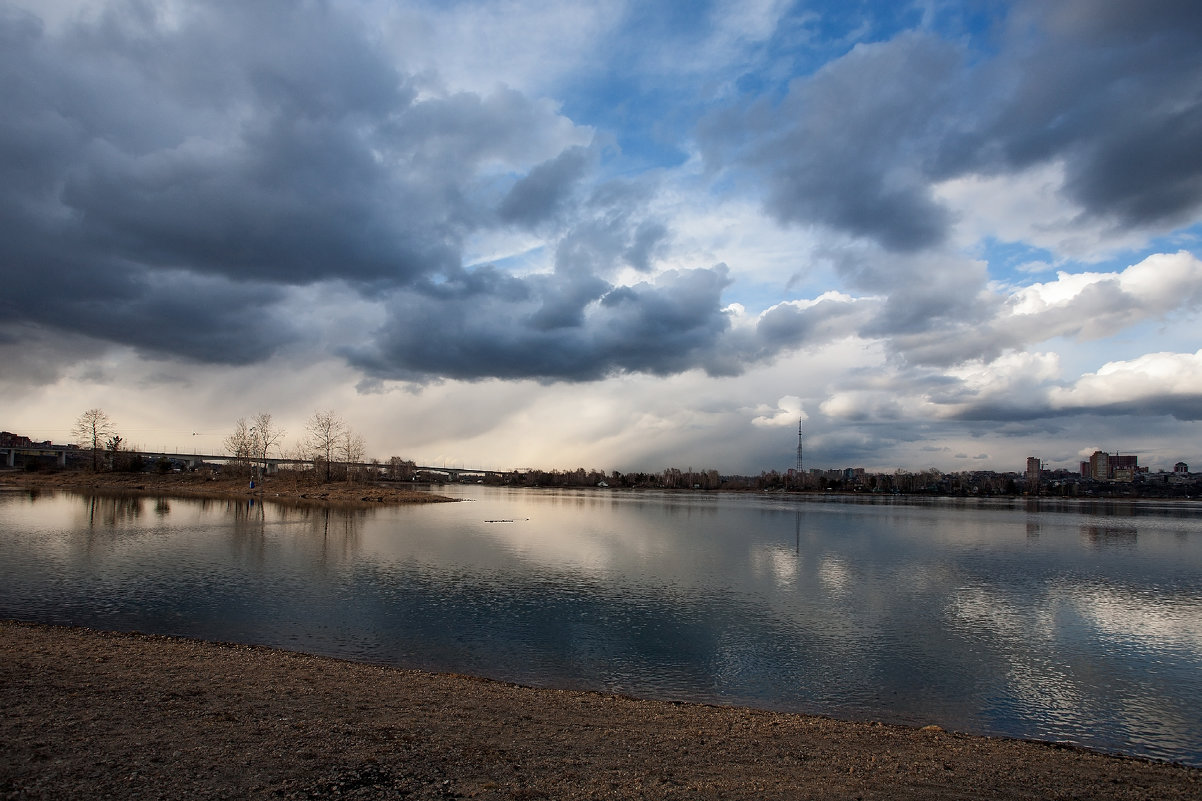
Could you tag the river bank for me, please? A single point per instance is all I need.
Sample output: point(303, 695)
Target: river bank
point(293, 488)
point(95, 714)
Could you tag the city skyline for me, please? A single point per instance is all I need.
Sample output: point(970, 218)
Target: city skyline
point(608, 234)
point(1116, 466)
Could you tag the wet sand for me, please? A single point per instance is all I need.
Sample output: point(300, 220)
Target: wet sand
point(90, 714)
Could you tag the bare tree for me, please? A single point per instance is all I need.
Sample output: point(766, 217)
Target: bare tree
point(90, 431)
point(240, 444)
point(265, 435)
point(326, 432)
point(252, 442)
point(353, 448)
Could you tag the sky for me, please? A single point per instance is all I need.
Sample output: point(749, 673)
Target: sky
point(606, 234)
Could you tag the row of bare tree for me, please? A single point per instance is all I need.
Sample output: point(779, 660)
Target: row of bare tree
point(329, 441)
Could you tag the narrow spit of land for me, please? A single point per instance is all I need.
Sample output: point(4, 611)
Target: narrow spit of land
point(88, 714)
point(300, 489)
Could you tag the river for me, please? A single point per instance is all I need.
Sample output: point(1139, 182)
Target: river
point(1075, 622)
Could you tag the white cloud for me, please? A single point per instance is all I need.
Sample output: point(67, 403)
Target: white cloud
point(875, 405)
point(526, 44)
point(1094, 305)
point(708, 229)
point(1008, 372)
point(1031, 207)
point(786, 412)
point(1153, 377)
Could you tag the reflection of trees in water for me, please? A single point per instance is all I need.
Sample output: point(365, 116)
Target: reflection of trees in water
point(1034, 529)
point(108, 510)
point(246, 511)
point(339, 529)
point(325, 520)
point(250, 521)
point(335, 531)
point(1107, 536)
point(689, 506)
point(249, 534)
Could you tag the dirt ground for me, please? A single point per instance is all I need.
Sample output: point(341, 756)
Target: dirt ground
point(90, 714)
point(295, 488)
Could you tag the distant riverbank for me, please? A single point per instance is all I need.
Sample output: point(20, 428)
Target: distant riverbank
point(91, 714)
point(294, 489)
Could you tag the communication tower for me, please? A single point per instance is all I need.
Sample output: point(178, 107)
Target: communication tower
point(800, 424)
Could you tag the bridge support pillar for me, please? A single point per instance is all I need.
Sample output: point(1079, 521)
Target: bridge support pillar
point(12, 457)
point(62, 458)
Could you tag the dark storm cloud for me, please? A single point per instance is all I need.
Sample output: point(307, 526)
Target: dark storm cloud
point(35, 355)
point(164, 182)
point(545, 189)
point(161, 179)
point(660, 329)
point(649, 239)
point(1113, 93)
point(575, 327)
point(847, 146)
point(162, 314)
point(786, 327)
point(564, 297)
point(1184, 407)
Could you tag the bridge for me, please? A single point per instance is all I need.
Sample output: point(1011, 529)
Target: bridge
point(59, 452)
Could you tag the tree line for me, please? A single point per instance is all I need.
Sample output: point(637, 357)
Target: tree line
point(337, 450)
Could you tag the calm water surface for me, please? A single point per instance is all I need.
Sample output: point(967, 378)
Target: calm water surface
point(1075, 622)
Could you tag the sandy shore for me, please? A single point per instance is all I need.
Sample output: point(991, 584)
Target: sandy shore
point(90, 714)
point(283, 488)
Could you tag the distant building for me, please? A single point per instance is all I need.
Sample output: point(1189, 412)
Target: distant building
point(11, 440)
point(1118, 462)
point(1181, 467)
point(1033, 473)
point(1103, 466)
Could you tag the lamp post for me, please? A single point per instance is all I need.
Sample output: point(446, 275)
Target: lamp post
point(255, 452)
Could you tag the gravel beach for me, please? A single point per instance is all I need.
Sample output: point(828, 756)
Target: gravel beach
point(91, 714)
